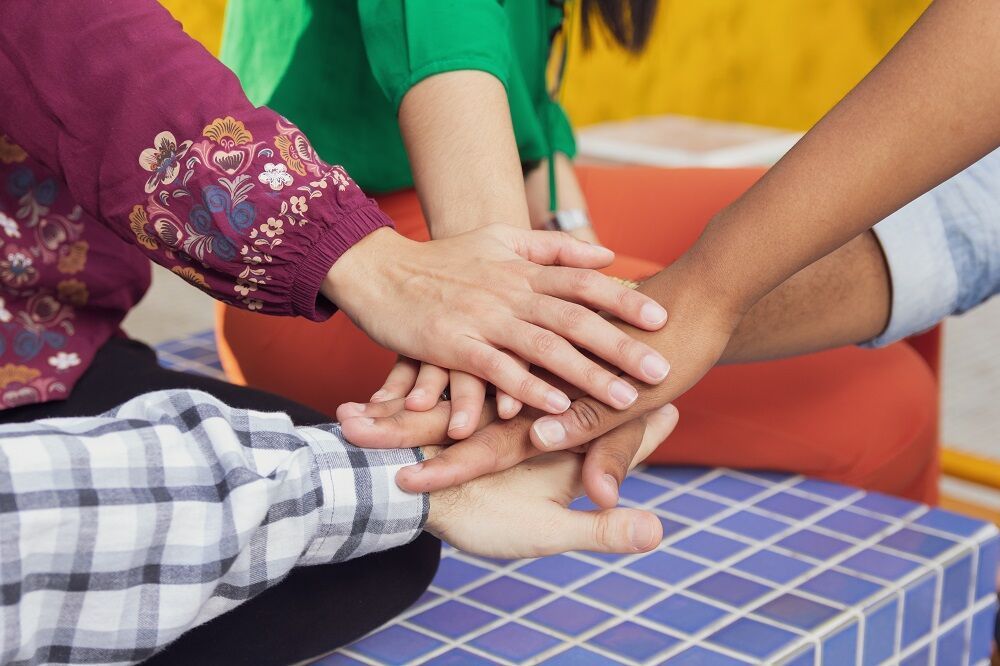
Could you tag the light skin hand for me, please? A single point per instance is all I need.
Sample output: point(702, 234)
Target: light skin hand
point(523, 511)
point(499, 288)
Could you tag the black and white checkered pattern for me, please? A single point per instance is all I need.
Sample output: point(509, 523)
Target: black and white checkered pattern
point(120, 532)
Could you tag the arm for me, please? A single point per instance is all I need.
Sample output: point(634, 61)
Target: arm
point(155, 139)
point(148, 501)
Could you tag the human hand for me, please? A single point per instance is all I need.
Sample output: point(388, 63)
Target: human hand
point(698, 332)
point(498, 287)
point(523, 511)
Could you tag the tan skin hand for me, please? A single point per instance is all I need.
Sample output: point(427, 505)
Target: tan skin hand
point(523, 511)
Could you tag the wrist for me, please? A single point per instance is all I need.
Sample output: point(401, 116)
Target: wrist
point(354, 276)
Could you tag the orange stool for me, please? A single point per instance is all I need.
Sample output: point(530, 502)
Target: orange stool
point(867, 418)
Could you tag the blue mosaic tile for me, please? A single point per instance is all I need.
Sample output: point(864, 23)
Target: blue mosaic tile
point(886, 505)
point(692, 506)
point(459, 657)
point(793, 506)
point(841, 649)
point(710, 546)
point(515, 642)
point(396, 644)
point(956, 587)
point(619, 591)
point(667, 567)
point(683, 613)
point(702, 656)
point(672, 527)
point(732, 488)
point(880, 633)
point(730, 589)
point(983, 623)
point(950, 522)
point(841, 587)
point(773, 566)
point(578, 656)
point(795, 611)
point(339, 660)
point(832, 491)
point(453, 573)
point(680, 476)
point(852, 523)
point(507, 594)
point(921, 657)
point(814, 544)
point(951, 646)
point(806, 657)
point(918, 610)
point(752, 638)
point(568, 616)
point(917, 543)
point(633, 641)
point(752, 525)
point(453, 619)
point(881, 565)
point(558, 569)
point(641, 491)
point(986, 571)
point(765, 475)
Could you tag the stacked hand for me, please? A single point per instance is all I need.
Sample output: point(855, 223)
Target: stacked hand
point(487, 302)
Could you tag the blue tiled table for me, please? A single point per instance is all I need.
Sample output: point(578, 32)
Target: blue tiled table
point(754, 569)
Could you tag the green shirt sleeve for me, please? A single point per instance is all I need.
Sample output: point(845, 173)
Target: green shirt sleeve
point(407, 41)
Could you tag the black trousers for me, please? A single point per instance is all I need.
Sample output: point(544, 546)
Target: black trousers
point(313, 611)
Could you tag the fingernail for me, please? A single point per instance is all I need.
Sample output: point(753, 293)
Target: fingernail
point(612, 485)
point(623, 393)
point(379, 396)
point(653, 313)
point(557, 401)
point(353, 408)
point(505, 405)
point(416, 393)
point(640, 534)
point(550, 432)
point(459, 420)
point(655, 367)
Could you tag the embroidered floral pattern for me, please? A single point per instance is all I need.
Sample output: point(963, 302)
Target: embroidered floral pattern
point(73, 291)
point(275, 175)
point(17, 269)
point(64, 360)
point(137, 222)
point(20, 374)
point(10, 152)
point(163, 159)
point(5, 315)
point(73, 257)
point(191, 275)
point(9, 226)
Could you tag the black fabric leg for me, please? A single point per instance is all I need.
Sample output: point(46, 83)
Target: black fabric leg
point(313, 611)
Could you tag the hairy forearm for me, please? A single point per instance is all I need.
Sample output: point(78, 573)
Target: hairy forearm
point(460, 141)
point(842, 299)
point(926, 112)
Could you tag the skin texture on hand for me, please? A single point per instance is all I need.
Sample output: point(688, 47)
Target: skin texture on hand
point(523, 511)
point(458, 302)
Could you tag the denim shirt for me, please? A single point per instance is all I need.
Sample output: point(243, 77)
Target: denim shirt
point(943, 250)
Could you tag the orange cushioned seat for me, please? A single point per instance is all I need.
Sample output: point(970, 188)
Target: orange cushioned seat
point(862, 417)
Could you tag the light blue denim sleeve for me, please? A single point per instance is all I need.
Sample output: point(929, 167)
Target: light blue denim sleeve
point(943, 251)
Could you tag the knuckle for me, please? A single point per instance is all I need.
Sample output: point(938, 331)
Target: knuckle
point(583, 416)
point(584, 280)
point(594, 375)
point(603, 530)
point(616, 460)
point(572, 317)
point(546, 342)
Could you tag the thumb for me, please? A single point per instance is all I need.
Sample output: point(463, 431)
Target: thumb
point(557, 248)
point(607, 531)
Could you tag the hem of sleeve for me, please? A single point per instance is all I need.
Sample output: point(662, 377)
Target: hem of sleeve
point(450, 65)
point(338, 238)
point(922, 274)
point(363, 510)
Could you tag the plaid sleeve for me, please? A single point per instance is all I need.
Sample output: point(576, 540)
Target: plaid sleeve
point(120, 532)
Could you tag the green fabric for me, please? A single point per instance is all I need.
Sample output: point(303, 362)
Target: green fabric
point(340, 68)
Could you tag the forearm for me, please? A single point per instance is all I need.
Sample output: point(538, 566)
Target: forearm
point(842, 299)
point(463, 155)
point(152, 503)
point(926, 112)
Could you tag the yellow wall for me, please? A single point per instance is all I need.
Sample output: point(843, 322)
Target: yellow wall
point(773, 62)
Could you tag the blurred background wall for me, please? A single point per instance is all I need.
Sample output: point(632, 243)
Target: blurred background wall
point(771, 62)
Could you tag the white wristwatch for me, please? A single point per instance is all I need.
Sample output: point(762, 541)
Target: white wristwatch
point(569, 220)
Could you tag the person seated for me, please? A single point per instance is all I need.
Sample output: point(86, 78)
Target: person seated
point(175, 508)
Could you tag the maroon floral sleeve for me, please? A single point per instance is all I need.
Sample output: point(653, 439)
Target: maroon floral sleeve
point(155, 138)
